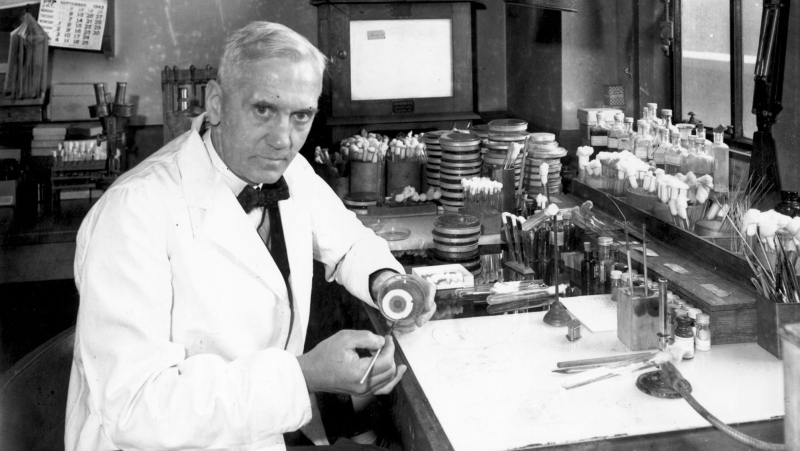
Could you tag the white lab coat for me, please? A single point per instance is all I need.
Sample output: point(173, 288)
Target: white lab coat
point(184, 314)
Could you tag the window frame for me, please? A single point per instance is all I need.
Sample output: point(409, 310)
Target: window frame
point(737, 138)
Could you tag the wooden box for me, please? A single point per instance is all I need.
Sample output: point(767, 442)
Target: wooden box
point(771, 317)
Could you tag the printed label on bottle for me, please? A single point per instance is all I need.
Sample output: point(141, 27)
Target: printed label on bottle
point(599, 141)
point(613, 142)
point(673, 158)
point(641, 152)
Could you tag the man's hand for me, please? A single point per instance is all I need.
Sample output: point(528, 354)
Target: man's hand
point(334, 366)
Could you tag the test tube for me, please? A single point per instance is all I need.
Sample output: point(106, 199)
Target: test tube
point(663, 316)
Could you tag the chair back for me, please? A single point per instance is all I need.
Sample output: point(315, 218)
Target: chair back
point(33, 397)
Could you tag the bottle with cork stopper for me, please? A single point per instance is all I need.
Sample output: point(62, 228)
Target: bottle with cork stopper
point(702, 338)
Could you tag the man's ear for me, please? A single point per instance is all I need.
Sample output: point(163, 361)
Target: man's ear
point(214, 102)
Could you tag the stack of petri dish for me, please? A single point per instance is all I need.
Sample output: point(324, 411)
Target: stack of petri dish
point(543, 148)
point(455, 241)
point(482, 130)
point(461, 158)
point(434, 151)
point(359, 201)
point(503, 132)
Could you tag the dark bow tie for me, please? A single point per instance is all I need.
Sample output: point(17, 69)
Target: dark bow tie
point(267, 196)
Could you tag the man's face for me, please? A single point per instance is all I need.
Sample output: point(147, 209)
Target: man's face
point(264, 121)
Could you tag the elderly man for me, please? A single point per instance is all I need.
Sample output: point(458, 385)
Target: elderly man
point(194, 271)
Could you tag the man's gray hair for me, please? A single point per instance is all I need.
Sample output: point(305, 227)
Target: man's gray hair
point(263, 40)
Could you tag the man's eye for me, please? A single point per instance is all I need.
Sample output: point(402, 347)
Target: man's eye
point(261, 110)
point(302, 117)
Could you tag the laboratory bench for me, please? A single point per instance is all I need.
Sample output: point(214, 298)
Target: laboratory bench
point(483, 381)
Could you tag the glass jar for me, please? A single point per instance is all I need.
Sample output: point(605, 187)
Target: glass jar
point(789, 204)
point(616, 284)
point(604, 258)
point(702, 338)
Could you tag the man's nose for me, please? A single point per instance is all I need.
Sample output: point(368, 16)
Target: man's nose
point(280, 134)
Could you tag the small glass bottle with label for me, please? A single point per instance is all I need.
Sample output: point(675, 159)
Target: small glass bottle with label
point(673, 155)
point(604, 258)
point(598, 134)
point(721, 154)
point(626, 136)
point(644, 144)
point(684, 338)
point(660, 152)
point(702, 338)
point(614, 132)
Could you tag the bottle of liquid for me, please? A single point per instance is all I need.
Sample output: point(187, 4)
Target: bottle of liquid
point(626, 135)
point(721, 154)
point(667, 116)
point(569, 232)
point(660, 152)
point(700, 163)
point(598, 134)
point(702, 338)
point(557, 235)
point(684, 338)
point(653, 119)
point(616, 284)
point(587, 269)
point(644, 144)
point(690, 152)
point(604, 258)
point(615, 256)
point(673, 154)
point(614, 132)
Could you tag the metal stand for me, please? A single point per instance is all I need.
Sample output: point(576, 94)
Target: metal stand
point(557, 315)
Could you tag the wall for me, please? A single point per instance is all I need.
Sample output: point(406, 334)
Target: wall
point(151, 34)
point(559, 62)
point(785, 131)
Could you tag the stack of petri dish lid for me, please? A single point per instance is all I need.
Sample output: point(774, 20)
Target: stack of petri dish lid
point(502, 132)
point(461, 158)
point(482, 130)
point(455, 240)
point(434, 151)
point(543, 148)
point(359, 201)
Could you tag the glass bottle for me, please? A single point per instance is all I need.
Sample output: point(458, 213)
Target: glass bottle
point(626, 135)
point(666, 114)
point(660, 152)
point(644, 144)
point(700, 163)
point(614, 132)
point(702, 338)
point(721, 154)
point(598, 134)
point(569, 232)
point(690, 151)
point(587, 269)
point(557, 235)
point(672, 155)
point(604, 257)
point(615, 255)
point(700, 131)
point(684, 338)
point(653, 119)
point(616, 284)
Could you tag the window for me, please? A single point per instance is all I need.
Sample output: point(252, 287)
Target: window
point(716, 44)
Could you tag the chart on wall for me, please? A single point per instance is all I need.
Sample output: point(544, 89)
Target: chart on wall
point(75, 24)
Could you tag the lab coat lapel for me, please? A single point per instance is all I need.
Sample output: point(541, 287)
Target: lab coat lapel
point(296, 232)
point(216, 215)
